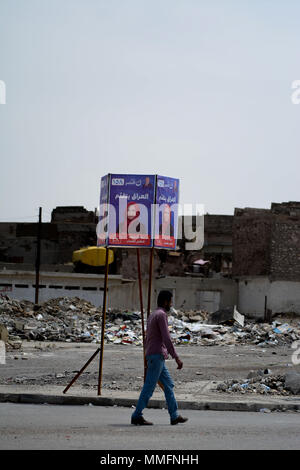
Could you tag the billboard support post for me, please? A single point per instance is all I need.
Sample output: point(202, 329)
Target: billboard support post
point(103, 322)
point(150, 280)
point(38, 259)
point(141, 306)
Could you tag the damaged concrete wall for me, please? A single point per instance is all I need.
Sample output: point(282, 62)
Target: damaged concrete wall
point(188, 292)
point(122, 293)
point(74, 214)
point(72, 237)
point(21, 285)
point(282, 296)
point(58, 241)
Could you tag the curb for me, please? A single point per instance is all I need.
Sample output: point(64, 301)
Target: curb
point(31, 398)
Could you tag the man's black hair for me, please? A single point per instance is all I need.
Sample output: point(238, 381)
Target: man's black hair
point(163, 296)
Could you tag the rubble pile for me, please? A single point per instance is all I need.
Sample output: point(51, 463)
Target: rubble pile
point(266, 334)
point(68, 319)
point(60, 319)
point(251, 333)
point(261, 382)
point(76, 320)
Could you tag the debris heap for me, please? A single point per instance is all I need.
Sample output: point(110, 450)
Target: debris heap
point(263, 382)
point(77, 320)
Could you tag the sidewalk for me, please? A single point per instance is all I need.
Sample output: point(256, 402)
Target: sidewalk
point(208, 401)
point(49, 367)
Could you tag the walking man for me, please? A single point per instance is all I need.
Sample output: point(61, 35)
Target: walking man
point(158, 345)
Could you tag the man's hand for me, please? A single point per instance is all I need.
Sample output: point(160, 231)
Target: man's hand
point(179, 363)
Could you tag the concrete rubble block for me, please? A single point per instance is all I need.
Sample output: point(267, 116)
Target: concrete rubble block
point(222, 316)
point(20, 325)
point(227, 316)
point(3, 333)
point(240, 319)
point(255, 374)
point(292, 382)
point(196, 318)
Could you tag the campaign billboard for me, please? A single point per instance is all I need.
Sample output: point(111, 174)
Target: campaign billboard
point(166, 212)
point(131, 199)
point(138, 211)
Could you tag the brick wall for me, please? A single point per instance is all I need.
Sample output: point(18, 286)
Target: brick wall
point(285, 249)
point(267, 241)
point(251, 242)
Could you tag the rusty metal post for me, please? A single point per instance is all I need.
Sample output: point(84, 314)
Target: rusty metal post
point(265, 311)
point(141, 306)
point(103, 321)
point(150, 281)
point(81, 370)
point(38, 258)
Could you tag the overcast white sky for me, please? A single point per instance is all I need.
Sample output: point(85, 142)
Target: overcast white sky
point(194, 89)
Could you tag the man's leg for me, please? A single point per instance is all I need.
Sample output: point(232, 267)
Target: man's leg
point(155, 365)
point(168, 384)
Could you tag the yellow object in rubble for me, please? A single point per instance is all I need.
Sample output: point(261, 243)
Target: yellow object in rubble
point(93, 256)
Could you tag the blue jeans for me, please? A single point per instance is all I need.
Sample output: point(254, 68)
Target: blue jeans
point(156, 371)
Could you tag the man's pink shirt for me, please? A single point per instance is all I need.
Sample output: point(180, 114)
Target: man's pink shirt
point(158, 340)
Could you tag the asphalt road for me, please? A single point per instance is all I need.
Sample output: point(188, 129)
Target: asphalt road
point(53, 427)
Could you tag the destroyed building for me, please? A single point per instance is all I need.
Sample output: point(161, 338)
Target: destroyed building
point(70, 228)
point(251, 260)
point(266, 258)
point(217, 249)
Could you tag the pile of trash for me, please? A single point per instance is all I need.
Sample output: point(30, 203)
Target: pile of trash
point(263, 382)
point(77, 320)
point(67, 319)
point(231, 332)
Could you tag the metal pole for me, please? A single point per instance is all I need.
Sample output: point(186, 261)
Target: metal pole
point(141, 305)
point(103, 322)
point(38, 258)
point(81, 370)
point(265, 312)
point(150, 281)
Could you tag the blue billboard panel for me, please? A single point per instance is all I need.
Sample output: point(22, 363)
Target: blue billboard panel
point(130, 220)
point(166, 214)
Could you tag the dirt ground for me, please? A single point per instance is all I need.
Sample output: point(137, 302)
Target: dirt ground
point(54, 363)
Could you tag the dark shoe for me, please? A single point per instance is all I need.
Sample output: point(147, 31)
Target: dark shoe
point(179, 419)
point(140, 421)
